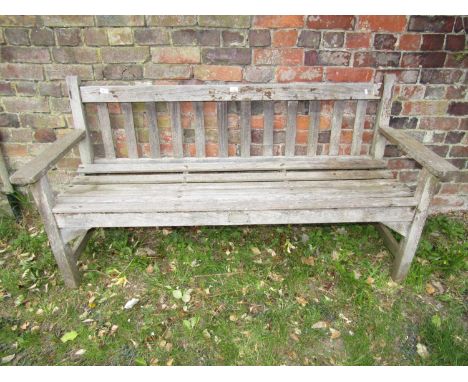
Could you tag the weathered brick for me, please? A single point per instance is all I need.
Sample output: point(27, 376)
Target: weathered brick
point(443, 76)
point(456, 60)
point(120, 36)
point(217, 73)
point(458, 108)
point(184, 37)
point(25, 104)
point(68, 36)
point(13, 150)
point(208, 37)
point(233, 38)
point(59, 105)
point(425, 60)
point(241, 56)
point(375, 59)
point(13, 21)
point(330, 22)
point(456, 91)
point(382, 23)
point(260, 37)
point(176, 55)
point(171, 21)
point(403, 122)
point(434, 92)
point(459, 152)
point(409, 42)
point(122, 72)
point(278, 21)
point(9, 120)
point(60, 71)
point(385, 41)
point(151, 36)
point(95, 36)
point(348, 74)
point(455, 42)
point(45, 135)
point(167, 72)
point(284, 38)
point(327, 58)
point(454, 137)
point(17, 36)
point(120, 21)
point(21, 71)
point(332, 39)
point(224, 21)
point(42, 37)
point(309, 39)
point(117, 55)
point(6, 88)
point(75, 55)
point(441, 24)
point(397, 106)
point(52, 89)
point(432, 41)
point(258, 73)
point(26, 88)
point(25, 54)
point(286, 56)
point(68, 21)
point(299, 74)
point(438, 123)
point(358, 40)
point(424, 108)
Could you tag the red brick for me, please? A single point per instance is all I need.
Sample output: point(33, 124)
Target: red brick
point(68, 21)
point(171, 21)
point(459, 152)
point(17, 36)
point(168, 72)
point(424, 108)
point(95, 37)
point(278, 21)
point(120, 21)
point(455, 42)
point(21, 71)
point(333, 39)
point(458, 108)
point(176, 55)
point(60, 71)
point(45, 135)
point(122, 72)
point(438, 123)
point(358, 40)
point(117, 55)
point(385, 41)
point(349, 74)
point(14, 150)
point(68, 36)
point(25, 54)
point(239, 56)
point(217, 73)
point(410, 41)
point(42, 36)
point(441, 24)
point(425, 60)
point(284, 38)
point(224, 21)
point(258, 73)
point(259, 37)
point(25, 104)
point(286, 56)
point(382, 23)
point(299, 74)
point(330, 22)
point(432, 41)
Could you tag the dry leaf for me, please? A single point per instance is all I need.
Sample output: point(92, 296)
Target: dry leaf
point(308, 260)
point(114, 329)
point(320, 325)
point(149, 269)
point(294, 337)
point(8, 358)
point(166, 231)
point(233, 317)
point(301, 300)
point(334, 333)
point(255, 251)
point(131, 303)
point(80, 352)
point(370, 280)
point(422, 350)
point(275, 277)
point(430, 289)
point(170, 362)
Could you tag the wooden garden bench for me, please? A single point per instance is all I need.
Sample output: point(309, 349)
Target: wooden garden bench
point(278, 187)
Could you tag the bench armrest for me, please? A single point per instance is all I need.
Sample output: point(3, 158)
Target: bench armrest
point(428, 159)
point(39, 166)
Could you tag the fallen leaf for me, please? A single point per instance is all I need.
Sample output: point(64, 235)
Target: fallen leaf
point(370, 280)
point(334, 333)
point(294, 337)
point(438, 285)
point(131, 303)
point(308, 260)
point(80, 352)
point(8, 358)
point(430, 289)
point(233, 318)
point(186, 295)
point(301, 300)
point(177, 294)
point(343, 317)
point(170, 362)
point(166, 231)
point(69, 336)
point(114, 329)
point(275, 277)
point(422, 350)
point(149, 269)
point(320, 325)
point(255, 251)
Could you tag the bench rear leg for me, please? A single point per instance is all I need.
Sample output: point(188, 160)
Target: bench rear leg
point(407, 248)
point(64, 256)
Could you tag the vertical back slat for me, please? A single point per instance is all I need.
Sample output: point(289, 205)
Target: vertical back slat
point(153, 131)
point(130, 130)
point(246, 135)
point(177, 137)
point(291, 129)
point(221, 111)
point(268, 115)
point(314, 126)
point(335, 135)
point(358, 127)
point(104, 124)
point(199, 129)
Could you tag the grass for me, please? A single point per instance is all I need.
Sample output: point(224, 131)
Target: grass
point(253, 296)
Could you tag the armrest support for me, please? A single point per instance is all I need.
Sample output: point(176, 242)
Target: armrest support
point(39, 166)
point(428, 159)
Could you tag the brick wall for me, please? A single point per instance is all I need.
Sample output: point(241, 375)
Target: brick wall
point(426, 53)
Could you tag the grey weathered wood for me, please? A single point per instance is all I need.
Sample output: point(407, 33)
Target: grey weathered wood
point(79, 118)
point(222, 118)
point(165, 219)
point(252, 92)
point(39, 166)
point(290, 145)
point(400, 227)
point(71, 234)
point(106, 131)
point(436, 165)
point(199, 129)
point(389, 240)
point(383, 116)
point(314, 127)
point(80, 244)
point(232, 164)
point(153, 131)
point(335, 134)
point(130, 130)
point(63, 256)
point(246, 133)
point(424, 192)
point(176, 128)
point(358, 127)
point(268, 116)
point(7, 187)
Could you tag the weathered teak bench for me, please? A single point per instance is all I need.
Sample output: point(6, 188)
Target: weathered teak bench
point(227, 190)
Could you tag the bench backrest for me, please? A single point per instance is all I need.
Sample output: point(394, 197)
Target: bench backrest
point(141, 121)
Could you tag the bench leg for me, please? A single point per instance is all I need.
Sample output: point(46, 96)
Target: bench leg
point(407, 248)
point(64, 257)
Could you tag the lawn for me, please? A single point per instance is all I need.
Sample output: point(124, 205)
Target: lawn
point(263, 295)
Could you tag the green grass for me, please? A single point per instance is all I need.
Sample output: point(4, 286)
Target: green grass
point(255, 295)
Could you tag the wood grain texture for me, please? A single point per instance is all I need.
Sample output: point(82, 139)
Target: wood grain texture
point(176, 128)
point(153, 130)
point(199, 130)
point(246, 132)
point(268, 115)
point(222, 118)
point(359, 120)
point(129, 126)
point(106, 131)
point(290, 145)
point(314, 126)
point(335, 134)
point(7, 187)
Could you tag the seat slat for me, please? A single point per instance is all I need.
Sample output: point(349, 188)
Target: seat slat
point(199, 129)
point(153, 131)
point(314, 125)
point(130, 130)
point(246, 135)
point(177, 135)
point(222, 118)
point(335, 135)
point(291, 129)
point(104, 124)
point(268, 115)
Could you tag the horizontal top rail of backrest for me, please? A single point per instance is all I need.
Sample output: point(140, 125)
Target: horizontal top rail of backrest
point(236, 92)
